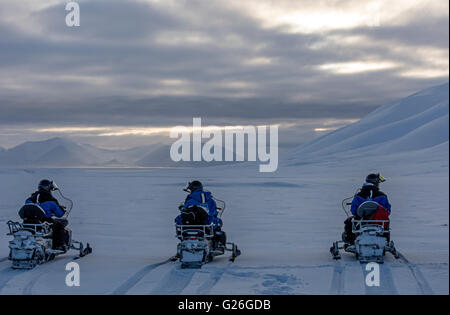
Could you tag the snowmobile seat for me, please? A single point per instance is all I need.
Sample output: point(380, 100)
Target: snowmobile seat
point(33, 214)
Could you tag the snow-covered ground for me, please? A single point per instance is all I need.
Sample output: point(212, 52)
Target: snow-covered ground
point(283, 222)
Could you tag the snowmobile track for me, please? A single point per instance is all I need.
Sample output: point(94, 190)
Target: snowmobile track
point(11, 273)
point(387, 285)
point(214, 278)
point(28, 289)
point(422, 283)
point(133, 280)
point(7, 274)
point(175, 282)
point(337, 282)
point(3, 259)
point(43, 269)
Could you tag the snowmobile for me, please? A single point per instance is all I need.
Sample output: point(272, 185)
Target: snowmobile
point(199, 243)
point(34, 243)
point(372, 237)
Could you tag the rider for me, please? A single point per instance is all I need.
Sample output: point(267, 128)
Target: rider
point(369, 192)
point(51, 208)
point(198, 198)
point(43, 197)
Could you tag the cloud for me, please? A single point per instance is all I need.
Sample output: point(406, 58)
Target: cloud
point(140, 63)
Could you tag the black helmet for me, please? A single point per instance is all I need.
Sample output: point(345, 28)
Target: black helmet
point(193, 186)
point(375, 179)
point(46, 185)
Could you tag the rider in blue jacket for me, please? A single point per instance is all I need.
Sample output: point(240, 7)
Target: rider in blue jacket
point(199, 208)
point(370, 191)
point(199, 198)
point(43, 197)
point(53, 213)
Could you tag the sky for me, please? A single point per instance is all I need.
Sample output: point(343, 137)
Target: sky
point(133, 69)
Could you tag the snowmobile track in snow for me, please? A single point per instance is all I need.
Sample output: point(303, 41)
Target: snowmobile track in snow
point(7, 274)
point(133, 280)
point(387, 285)
point(422, 283)
point(28, 289)
point(42, 270)
point(3, 259)
point(214, 278)
point(175, 282)
point(337, 282)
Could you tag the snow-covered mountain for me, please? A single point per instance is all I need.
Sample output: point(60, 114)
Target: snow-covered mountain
point(61, 152)
point(52, 152)
point(416, 122)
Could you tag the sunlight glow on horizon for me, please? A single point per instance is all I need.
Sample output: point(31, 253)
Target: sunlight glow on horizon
point(356, 67)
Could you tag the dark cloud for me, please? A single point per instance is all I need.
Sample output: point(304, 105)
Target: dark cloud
point(164, 111)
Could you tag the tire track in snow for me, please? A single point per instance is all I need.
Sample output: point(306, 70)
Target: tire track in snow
point(418, 276)
point(133, 280)
point(337, 282)
point(175, 282)
point(387, 285)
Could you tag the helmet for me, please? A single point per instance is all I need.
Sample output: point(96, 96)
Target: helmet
point(46, 185)
point(193, 186)
point(375, 179)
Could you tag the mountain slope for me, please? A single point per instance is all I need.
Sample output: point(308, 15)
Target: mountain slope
point(416, 122)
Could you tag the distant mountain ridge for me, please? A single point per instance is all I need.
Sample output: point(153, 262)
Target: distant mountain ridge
point(62, 152)
point(416, 122)
point(51, 152)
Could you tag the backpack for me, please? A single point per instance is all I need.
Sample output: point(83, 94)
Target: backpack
point(196, 215)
